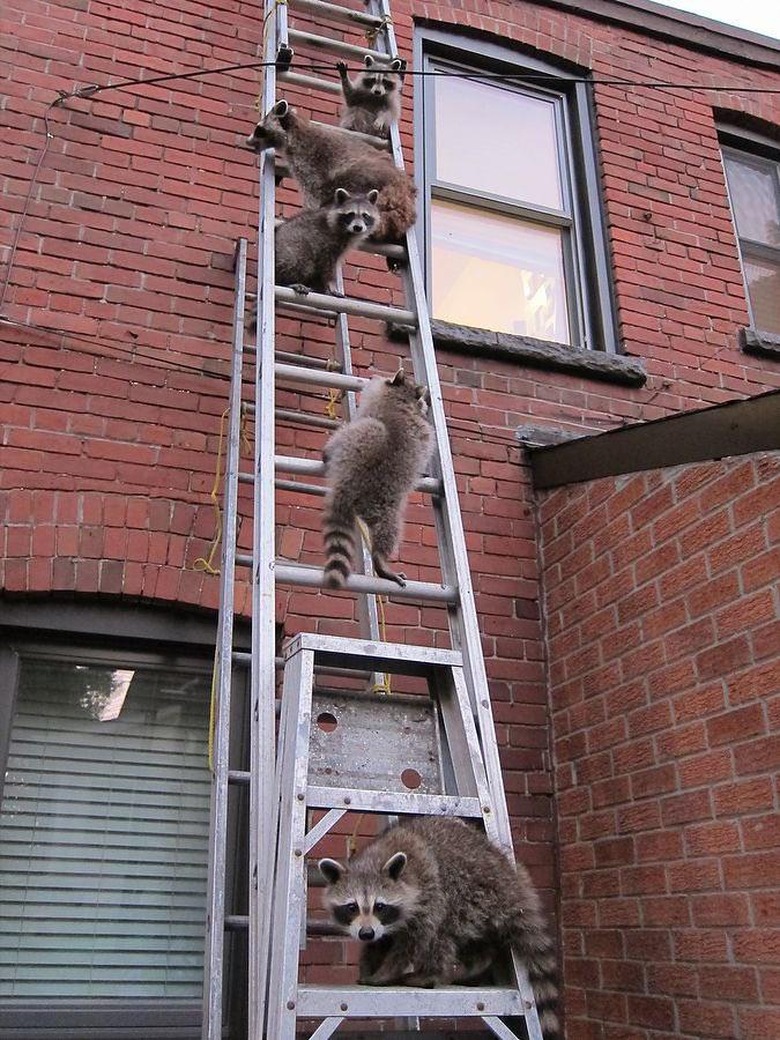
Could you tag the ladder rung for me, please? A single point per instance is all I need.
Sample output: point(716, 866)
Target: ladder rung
point(384, 1001)
point(307, 419)
point(295, 374)
point(386, 802)
point(336, 13)
point(297, 79)
point(302, 576)
point(316, 468)
point(244, 658)
point(309, 362)
point(380, 143)
point(236, 922)
point(350, 50)
point(238, 776)
point(315, 301)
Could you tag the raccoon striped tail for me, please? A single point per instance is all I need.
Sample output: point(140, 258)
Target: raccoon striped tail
point(338, 531)
point(543, 975)
point(532, 941)
point(397, 208)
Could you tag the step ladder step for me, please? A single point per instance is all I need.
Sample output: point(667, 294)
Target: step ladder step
point(375, 655)
point(384, 1001)
point(316, 301)
point(394, 804)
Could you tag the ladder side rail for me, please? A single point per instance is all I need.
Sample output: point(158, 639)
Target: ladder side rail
point(263, 648)
point(223, 675)
point(368, 604)
point(464, 624)
point(290, 889)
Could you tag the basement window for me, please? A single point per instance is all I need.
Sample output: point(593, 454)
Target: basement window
point(753, 179)
point(104, 840)
point(514, 242)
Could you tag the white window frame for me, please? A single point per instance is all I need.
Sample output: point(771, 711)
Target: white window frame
point(751, 148)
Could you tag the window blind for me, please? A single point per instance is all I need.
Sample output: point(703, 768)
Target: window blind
point(104, 834)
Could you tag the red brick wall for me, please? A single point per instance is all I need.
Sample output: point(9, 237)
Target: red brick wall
point(663, 619)
point(114, 343)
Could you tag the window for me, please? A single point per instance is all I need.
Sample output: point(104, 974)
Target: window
point(104, 823)
point(754, 190)
point(513, 231)
point(104, 833)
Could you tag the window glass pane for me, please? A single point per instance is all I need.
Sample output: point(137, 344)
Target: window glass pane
point(498, 141)
point(754, 196)
point(499, 273)
point(763, 279)
point(104, 834)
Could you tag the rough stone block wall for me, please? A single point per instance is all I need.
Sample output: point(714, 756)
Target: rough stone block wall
point(663, 616)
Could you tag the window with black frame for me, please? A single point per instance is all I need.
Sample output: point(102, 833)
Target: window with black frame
point(753, 179)
point(514, 240)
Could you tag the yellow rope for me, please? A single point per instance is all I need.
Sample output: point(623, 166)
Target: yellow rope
point(382, 688)
point(372, 31)
point(207, 563)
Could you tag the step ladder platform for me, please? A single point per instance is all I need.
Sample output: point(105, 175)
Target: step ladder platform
point(383, 803)
point(363, 654)
point(384, 1001)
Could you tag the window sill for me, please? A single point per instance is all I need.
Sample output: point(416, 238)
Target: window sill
point(760, 344)
point(590, 364)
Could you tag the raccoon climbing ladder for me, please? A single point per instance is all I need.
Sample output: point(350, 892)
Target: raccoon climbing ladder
point(281, 793)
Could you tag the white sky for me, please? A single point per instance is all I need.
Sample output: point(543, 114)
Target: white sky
point(760, 16)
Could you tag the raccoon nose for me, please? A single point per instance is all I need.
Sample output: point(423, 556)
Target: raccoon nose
point(356, 228)
point(366, 934)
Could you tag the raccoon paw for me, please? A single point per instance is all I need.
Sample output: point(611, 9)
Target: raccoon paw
point(418, 979)
point(300, 288)
point(341, 68)
point(337, 292)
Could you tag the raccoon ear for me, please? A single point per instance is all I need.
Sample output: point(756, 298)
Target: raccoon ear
point(282, 111)
point(398, 379)
point(368, 61)
point(341, 195)
point(424, 394)
point(373, 195)
point(394, 867)
point(331, 870)
point(396, 64)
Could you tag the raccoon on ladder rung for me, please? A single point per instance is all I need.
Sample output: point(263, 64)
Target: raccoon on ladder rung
point(480, 758)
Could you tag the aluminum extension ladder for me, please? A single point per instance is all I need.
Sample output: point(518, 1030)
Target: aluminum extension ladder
point(460, 673)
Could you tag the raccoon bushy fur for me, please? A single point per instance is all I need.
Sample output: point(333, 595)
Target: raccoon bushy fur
point(433, 902)
point(372, 101)
point(324, 158)
point(371, 465)
point(310, 244)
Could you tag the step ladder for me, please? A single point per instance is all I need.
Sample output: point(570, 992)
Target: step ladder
point(457, 678)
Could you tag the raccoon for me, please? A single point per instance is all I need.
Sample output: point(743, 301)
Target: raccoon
point(372, 100)
point(371, 465)
point(310, 244)
point(433, 902)
point(323, 158)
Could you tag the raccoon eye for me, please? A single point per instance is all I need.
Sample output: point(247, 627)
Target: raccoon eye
point(352, 907)
point(379, 906)
point(388, 84)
